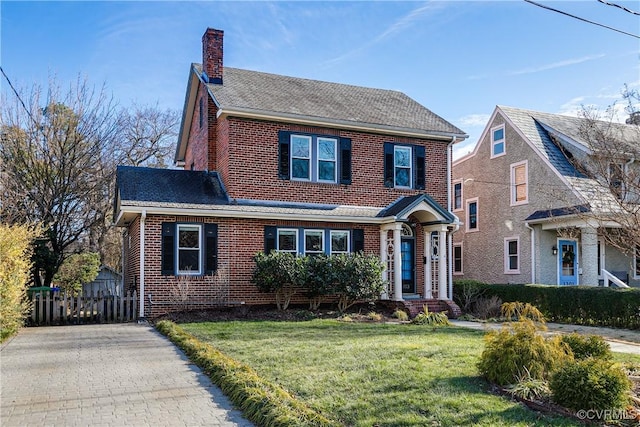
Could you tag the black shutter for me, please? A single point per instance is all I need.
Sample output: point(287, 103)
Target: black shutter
point(269, 239)
point(211, 248)
point(283, 154)
point(420, 167)
point(388, 165)
point(357, 240)
point(168, 248)
point(345, 161)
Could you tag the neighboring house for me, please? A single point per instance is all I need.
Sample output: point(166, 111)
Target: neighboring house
point(531, 210)
point(108, 281)
point(281, 163)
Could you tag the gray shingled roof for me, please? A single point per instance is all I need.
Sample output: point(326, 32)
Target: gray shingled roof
point(258, 92)
point(532, 124)
point(138, 184)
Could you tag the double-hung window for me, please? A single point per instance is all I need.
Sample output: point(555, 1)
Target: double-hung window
point(404, 166)
point(314, 158)
point(519, 183)
point(497, 141)
point(339, 241)
point(457, 258)
point(189, 246)
point(313, 242)
point(457, 196)
point(472, 215)
point(301, 157)
point(512, 255)
point(287, 240)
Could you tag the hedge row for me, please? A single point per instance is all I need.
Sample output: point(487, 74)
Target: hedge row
point(261, 401)
point(581, 305)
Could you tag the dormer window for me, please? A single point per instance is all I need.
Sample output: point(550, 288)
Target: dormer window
point(497, 141)
point(616, 179)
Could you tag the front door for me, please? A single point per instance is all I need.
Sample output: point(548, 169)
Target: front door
point(568, 262)
point(408, 247)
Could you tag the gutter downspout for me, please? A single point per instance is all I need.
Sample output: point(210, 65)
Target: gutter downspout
point(533, 252)
point(143, 219)
point(450, 234)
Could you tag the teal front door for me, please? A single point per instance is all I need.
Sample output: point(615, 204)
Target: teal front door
point(408, 248)
point(568, 262)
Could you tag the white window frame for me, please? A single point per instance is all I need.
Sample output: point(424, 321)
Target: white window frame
point(279, 231)
point(310, 231)
point(318, 159)
point(309, 159)
point(513, 186)
point(190, 227)
point(495, 142)
point(507, 255)
point(468, 202)
point(347, 233)
point(453, 196)
point(453, 261)
point(403, 148)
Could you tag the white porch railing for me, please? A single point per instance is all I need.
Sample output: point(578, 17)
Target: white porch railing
point(610, 278)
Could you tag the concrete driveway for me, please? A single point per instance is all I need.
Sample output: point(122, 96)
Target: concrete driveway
point(105, 375)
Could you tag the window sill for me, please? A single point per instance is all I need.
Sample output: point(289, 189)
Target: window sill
point(512, 272)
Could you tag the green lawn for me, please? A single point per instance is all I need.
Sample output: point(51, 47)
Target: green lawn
point(374, 374)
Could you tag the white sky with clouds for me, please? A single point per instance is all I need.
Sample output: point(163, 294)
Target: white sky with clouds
point(458, 58)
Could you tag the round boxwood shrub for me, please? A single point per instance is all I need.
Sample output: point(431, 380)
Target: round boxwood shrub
point(590, 384)
point(519, 348)
point(584, 347)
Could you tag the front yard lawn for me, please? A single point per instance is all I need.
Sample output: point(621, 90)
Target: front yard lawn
point(374, 374)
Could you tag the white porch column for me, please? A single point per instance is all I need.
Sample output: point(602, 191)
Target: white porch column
point(442, 265)
point(428, 285)
point(397, 263)
point(383, 258)
point(589, 256)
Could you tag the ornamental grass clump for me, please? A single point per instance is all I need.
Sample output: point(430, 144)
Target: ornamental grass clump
point(426, 317)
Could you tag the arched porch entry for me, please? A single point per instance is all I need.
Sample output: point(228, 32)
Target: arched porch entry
point(414, 247)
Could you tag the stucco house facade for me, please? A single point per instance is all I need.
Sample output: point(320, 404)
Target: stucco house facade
point(531, 212)
point(271, 162)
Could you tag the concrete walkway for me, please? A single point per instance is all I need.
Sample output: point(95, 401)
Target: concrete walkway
point(620, 340)
point(105, 375)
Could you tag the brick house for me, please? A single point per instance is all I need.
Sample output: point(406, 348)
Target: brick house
point(270, 162)
point(534, 210)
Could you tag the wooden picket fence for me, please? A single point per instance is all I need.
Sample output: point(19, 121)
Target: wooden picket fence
point(57, 308)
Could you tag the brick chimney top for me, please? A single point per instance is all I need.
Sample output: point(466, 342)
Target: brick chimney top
point(212, 55)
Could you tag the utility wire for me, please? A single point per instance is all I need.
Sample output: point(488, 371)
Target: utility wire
point(581, 19)
point(621, 7)
point(19, 98)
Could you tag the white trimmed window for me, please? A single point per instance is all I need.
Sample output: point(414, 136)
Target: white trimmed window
point(472, 214)
point(497, 141)
point(512, 255)
point(313, 242)
point(287, 240)
point(457, 195)
point(339, 242)
point(314, 158)
point(457, 258)
point(189, 249)
point(519, 183)
point(402, 162)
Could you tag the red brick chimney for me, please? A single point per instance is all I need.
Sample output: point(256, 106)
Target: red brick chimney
point(212, 54)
